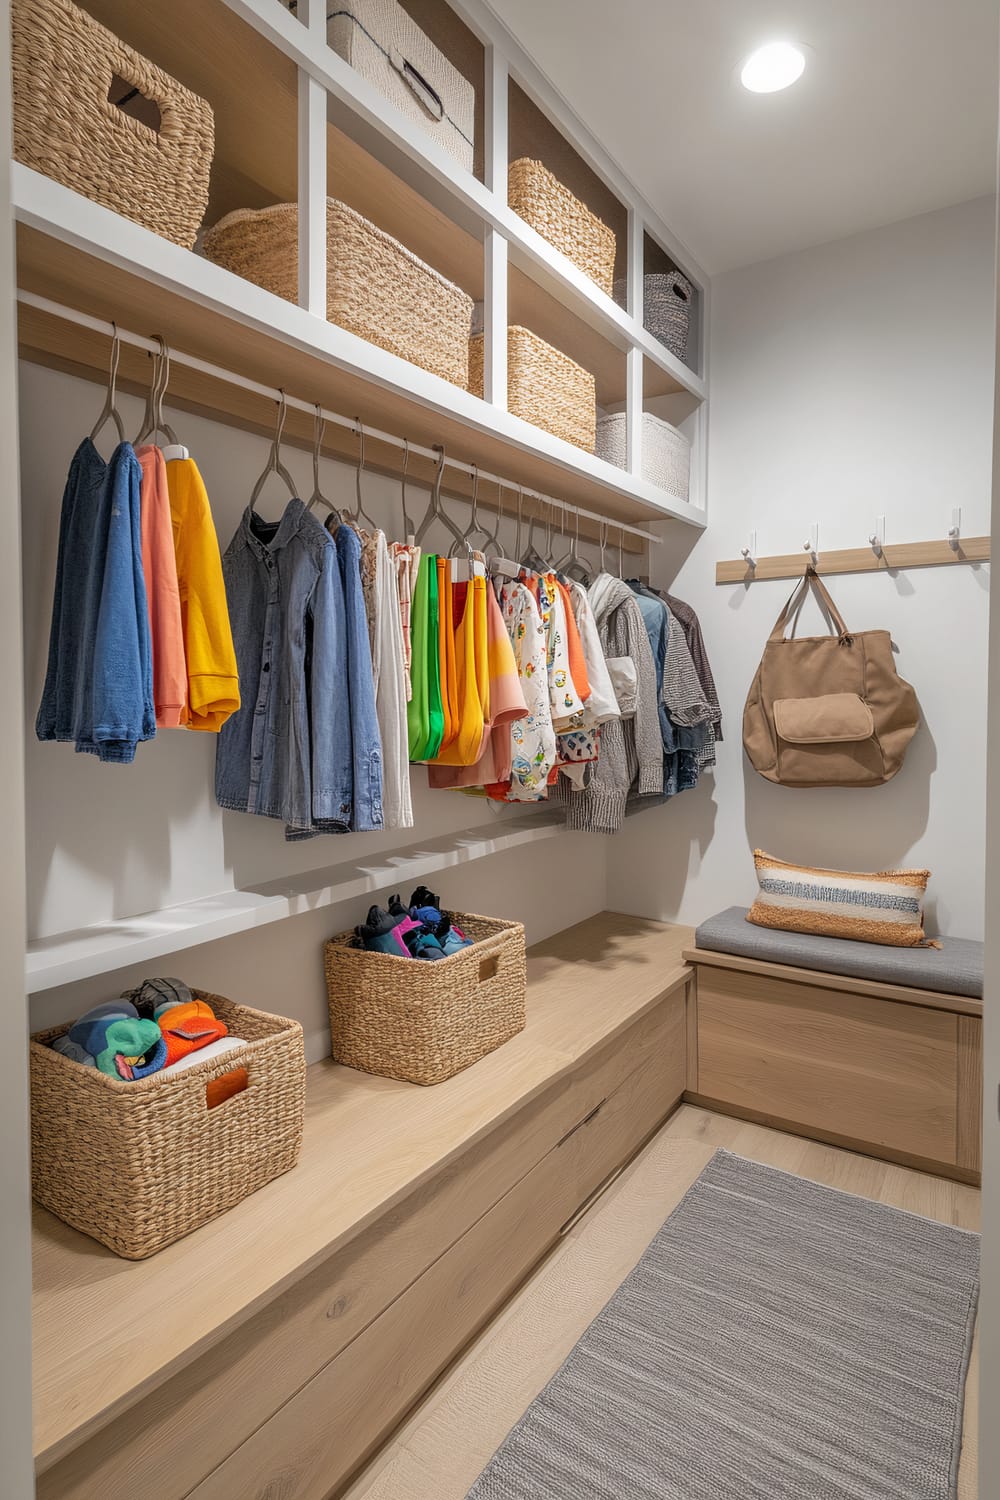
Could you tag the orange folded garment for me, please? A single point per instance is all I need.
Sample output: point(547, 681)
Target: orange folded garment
point(187, 1028)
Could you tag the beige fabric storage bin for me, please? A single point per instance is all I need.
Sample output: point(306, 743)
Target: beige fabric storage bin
point(558, 216)
point(666, 452)
point(139, 1165)
point(422, 1022)
point(64, 69)
point(391, 52)
point(544, 386)
point(376, 288)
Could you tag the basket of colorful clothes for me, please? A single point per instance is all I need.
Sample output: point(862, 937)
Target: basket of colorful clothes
point(418, 993)
point(153, 1113)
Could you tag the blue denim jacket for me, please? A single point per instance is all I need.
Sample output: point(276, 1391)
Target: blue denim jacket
point(287, 753)
point(366, 741)
point(99, 682)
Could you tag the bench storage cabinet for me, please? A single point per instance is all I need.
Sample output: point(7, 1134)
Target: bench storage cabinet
point(888, 1067)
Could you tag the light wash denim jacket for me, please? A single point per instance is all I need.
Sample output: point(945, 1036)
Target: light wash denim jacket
point(289, 752)
point(99, 684)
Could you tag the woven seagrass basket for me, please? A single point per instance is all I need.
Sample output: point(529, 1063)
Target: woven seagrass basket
point(139, 1165)
point(667, 302)
point(558, 216)
point(65, 66)
point(376, 288)
point(421, 1022)
point(666, 453)
point(544, 387)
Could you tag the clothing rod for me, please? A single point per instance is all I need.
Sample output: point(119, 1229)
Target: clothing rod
point(272, 393)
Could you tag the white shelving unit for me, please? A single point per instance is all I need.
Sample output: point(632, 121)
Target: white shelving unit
point(295, 119)
point(70, 956)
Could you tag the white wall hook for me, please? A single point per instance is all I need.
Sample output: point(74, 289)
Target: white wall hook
point(955, 529)
point(812, 545)
point(750, 553)
point(877, 539)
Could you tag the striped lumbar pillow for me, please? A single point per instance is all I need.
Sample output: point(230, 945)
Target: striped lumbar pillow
point(884, 907)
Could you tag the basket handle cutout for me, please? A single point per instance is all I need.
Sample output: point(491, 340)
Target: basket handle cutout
point(680, 293)
point(226, 1087)
point(130, 99)
point(422, 91)
point(488, 967)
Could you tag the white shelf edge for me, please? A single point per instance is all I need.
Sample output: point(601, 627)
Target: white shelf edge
point(68, 216)
point(67, 957)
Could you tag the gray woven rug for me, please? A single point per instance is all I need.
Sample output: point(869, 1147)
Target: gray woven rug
point(777, 1341)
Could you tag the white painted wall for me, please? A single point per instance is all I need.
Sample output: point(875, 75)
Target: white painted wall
point(113, 841)
point(847, 381)
point(17, 1478)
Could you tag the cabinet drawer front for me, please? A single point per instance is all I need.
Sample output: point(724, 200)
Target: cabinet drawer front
point(320, 1436)
point(190, 1425)
point(875, 1070)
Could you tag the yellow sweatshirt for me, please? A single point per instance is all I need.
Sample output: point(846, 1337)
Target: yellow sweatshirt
point(213, 684)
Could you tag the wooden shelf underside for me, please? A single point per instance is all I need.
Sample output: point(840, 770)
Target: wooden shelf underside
point(240, 328)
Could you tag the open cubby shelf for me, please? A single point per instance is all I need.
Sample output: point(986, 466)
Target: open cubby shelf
point(251, 59)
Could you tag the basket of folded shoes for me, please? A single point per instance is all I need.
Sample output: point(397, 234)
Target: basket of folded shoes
point(153, 1113)
point(418, 993)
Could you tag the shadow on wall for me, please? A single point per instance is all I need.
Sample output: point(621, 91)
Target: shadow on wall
point(845, 828)
point(655, 835)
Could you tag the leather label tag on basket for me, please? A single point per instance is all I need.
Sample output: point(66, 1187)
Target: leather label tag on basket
point(488, 967)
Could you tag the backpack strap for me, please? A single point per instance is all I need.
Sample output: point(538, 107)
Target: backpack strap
point(810, 577)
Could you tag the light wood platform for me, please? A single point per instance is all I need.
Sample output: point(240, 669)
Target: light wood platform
point(440, 1450)
point(412, 1215)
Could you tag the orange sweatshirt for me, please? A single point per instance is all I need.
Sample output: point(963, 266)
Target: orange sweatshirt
point(213, 688)
point(159, 567)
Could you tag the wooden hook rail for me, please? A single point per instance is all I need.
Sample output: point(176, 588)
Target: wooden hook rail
point(973, 549)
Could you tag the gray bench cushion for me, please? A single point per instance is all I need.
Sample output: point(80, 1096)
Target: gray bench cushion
point(954, 969)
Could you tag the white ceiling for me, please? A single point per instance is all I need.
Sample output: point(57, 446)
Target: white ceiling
point(895, 115)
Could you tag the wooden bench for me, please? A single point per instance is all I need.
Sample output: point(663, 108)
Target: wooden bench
point(883, 1066)
point(273, 1350)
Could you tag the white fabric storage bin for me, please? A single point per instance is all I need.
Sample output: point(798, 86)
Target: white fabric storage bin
point(387, 48)
point(666, 452)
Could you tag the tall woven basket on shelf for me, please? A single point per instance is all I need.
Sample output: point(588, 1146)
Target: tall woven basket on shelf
point(66, 70)
point(422, 1022)
point(544, 386)
point(538, 197)
point(376, 288)
point(138, 1165)
point(666, 453)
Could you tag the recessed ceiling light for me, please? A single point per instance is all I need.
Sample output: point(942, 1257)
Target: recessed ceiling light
point(772, 67)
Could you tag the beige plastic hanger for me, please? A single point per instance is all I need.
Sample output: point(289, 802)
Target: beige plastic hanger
point(274, 464)
point(317, 497)
point(110, 407)
point(153, 421)
point(360, 514)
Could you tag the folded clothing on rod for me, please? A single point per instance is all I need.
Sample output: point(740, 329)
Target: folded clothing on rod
point(421, 930)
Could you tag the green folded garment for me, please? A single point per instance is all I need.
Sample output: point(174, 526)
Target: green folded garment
point(132, 1049)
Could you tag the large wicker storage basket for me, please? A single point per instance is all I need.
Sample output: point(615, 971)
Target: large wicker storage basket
point(388, 48)
point(544, 386)
point(422, 1022)
point(376, 288)
point(65, 66)
point(138, 1165)
point(667, 304)
point(559, 217)
point(666, 453)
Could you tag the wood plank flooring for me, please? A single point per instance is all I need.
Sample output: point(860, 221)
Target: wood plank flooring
point(438, 1453)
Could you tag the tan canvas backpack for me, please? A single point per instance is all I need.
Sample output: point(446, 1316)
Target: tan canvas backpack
point(828, 710)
